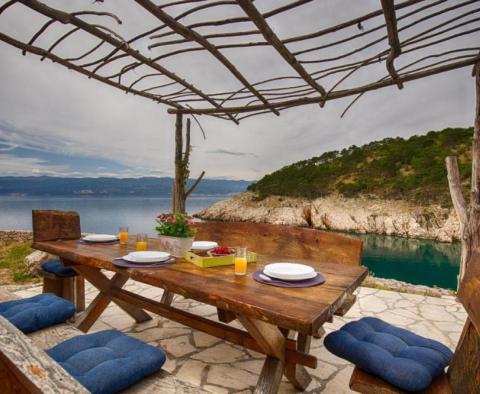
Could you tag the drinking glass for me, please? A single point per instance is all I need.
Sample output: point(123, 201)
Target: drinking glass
point(123, 235)
point(240, 261)
point(141, 243)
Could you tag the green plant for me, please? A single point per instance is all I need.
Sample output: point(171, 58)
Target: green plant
point(394, 168)
point(174, 225)
point(12, 265)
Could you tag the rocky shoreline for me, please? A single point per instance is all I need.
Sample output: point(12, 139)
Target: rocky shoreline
point(336, 213)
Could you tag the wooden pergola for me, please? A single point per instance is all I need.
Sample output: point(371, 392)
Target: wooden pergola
point(397, 43)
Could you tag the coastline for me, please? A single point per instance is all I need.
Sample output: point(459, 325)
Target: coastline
point(336, 213)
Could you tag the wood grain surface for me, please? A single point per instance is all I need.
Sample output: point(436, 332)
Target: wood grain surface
point(24, 368)
point(303, 310)
point(51, 224)
point(286, 241)
point(365, 383)
point(464, 371)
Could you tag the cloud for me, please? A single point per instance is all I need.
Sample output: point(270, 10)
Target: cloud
point(230, 152)
point(14, 166)
point(7, 147)
point(56, 120)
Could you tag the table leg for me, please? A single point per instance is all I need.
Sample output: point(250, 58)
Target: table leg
point(272, 342)
point(225, 316)
point(167, 297)
point(80, 293)
point(320, 333)
point(270, 377)
point(93, 312)
point(100, 303)
point(295, 373)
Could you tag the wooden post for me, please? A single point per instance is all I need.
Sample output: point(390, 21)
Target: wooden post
point(182, 172)
point(178, 186)
point(469, 217)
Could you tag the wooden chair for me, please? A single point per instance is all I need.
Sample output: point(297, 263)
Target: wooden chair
point(275, 241)
point(53, 225)
point(463, 374)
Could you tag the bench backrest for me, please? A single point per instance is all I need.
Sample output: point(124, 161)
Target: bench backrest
point(49, 225)
point(287, 241)
point(464, 371)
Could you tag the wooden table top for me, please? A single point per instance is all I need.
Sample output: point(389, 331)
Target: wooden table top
point(303, 310)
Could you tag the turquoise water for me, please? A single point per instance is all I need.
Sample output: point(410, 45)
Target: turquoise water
point(415, 261)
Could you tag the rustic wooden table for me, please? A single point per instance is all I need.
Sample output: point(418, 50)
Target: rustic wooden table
point(268, 313)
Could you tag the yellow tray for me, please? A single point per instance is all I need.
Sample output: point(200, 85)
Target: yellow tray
point(207, 261)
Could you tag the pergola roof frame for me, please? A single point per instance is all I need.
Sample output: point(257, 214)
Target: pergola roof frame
point(257, 97)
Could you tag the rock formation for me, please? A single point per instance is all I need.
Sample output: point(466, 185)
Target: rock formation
point(357, 215)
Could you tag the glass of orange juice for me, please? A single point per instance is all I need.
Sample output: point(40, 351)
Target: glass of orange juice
point(123, 235)
point(141, 243)
point(240, 261)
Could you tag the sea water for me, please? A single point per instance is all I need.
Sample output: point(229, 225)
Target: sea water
point(415, 261)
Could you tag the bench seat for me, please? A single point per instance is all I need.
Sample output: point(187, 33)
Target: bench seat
point(365, 383)
point(24, 356)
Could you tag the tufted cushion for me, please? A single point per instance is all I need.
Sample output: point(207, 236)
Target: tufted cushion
point(56, 267)
point(34, 313)
point(398, 356)
point(107, 361)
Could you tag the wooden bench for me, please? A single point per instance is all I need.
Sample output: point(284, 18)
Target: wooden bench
point(463, 374)
point(26, 368)
point(52, 225)
point(274, 242)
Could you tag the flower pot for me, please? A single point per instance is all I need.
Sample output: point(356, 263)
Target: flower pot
point(176, 246)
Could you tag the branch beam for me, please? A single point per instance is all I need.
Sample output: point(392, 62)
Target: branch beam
point(273, 39)
point(192, 35)
point(66, 18)
point(393, 40)
point(336, 94)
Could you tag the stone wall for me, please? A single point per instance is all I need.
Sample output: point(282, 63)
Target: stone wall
point(15, 235)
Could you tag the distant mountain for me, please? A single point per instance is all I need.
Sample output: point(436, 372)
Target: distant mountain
point(393, 168)
point(54, 186)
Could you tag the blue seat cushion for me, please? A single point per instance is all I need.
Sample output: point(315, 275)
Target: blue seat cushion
point(107, 361)
point(56, 267)
point(34, 313)
point(398, 356)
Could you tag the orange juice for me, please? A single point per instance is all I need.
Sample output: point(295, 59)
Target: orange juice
point(123, 237)
point(240, 265)
point(141, 245)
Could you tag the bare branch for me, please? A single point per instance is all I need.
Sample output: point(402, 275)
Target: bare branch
point(194, 36)
point(455, 186)
point(195, 184)
point(393, 40)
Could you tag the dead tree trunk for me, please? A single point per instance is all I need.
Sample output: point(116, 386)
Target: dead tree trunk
point(182, 171)
point(468, 216)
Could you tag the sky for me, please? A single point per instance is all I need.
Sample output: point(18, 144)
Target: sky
point(56, 122)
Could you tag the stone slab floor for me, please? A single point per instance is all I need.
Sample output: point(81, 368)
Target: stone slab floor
point(219, 367)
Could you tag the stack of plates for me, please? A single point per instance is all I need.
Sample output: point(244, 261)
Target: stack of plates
point(289, 271)
point(146, 257)
point(204, 245)
point(99, 238)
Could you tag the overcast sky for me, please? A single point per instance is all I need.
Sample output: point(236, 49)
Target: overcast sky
point(57, 122)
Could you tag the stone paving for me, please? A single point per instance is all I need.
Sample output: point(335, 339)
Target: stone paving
point(219, 367)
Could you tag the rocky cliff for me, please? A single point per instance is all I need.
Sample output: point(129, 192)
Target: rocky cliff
point(357, 215)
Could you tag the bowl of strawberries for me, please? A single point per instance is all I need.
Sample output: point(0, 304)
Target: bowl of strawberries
point(221, 251)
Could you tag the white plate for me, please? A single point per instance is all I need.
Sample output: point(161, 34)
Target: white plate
point(289, 271)
point(146, 257)
point(204, 245)
point(100, 238)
